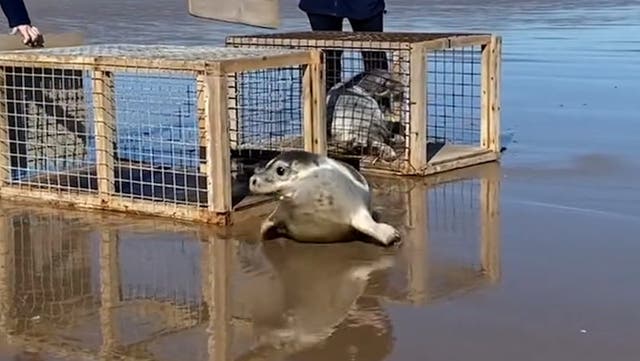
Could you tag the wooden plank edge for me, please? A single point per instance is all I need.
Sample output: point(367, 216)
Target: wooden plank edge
point(417, 140)
point(464, 161)
point(495, 84)
point(119, 221)
point(469, 40)
point(219, 182)
point(318, 93)
point(253, 42)
point(294, 58)
point(129, 206)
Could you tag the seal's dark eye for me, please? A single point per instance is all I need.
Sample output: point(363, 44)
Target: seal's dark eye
point(280, 171)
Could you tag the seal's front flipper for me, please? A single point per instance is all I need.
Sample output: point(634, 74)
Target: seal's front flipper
point(272, 227)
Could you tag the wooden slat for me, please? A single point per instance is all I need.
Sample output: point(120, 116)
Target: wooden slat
point(131, 206)
point(219, 185)
point(495, 71)
point(295, 58)
point(105, 124)
point(319, 103)
point(307, 109)
point(464, 160)
point(468, 40)
point(233, 64)
point(417, 140)
point(437, 44)
point(104, 62)
point(460, 158)
point(490, 94)
point(485, 70)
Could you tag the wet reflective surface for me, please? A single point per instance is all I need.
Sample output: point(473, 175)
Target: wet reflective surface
point(535, 259)
point(80, 285)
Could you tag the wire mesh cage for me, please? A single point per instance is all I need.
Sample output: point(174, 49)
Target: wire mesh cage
point(405, 103)
point(160, 130)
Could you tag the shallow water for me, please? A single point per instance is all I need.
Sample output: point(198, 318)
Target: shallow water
point(556, 281)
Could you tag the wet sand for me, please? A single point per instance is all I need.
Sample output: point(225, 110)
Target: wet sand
point(532, 259)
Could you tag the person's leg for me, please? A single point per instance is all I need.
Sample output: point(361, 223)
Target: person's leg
point(372, 59)
point(333, 58)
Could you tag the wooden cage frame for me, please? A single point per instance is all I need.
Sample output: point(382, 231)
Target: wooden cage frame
point(214, 119)
point(417, 46)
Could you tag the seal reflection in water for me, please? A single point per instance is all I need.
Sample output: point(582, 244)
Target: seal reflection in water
point(311, 303)
point(320, 200)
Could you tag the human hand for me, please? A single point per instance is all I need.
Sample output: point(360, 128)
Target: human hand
point(30, 35)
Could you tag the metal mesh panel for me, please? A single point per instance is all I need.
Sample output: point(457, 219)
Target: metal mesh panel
point(454, 88)
point(363, 119)
point(266, 109)
point(50, 121)
point(366, 93)
point(157, 141)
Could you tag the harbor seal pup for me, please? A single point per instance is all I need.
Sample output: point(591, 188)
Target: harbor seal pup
point(358, 113)
point(320, 200)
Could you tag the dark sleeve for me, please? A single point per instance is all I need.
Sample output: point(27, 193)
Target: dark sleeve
point(16, 12)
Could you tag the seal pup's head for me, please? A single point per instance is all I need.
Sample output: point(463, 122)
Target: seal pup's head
point(283, 171)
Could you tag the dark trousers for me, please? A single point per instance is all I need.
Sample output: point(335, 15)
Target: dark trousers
point(333, 60)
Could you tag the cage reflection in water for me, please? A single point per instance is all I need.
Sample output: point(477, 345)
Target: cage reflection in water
point(150, 129)
point(80, 285)
point(403, 102)
point(451, 230)
point(75, 287)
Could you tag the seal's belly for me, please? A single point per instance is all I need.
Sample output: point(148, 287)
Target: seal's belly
point(317, 227)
